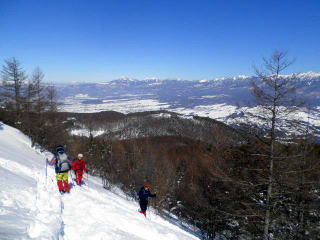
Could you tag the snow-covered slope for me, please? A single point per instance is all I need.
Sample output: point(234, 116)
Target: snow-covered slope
point(32, 208)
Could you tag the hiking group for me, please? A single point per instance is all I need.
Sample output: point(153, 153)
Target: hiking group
point(63, 164)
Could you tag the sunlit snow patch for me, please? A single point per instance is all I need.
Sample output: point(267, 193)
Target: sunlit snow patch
point(123, 106)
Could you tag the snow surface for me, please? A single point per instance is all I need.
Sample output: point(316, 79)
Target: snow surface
point(32, 208)
point(86, 133)
point(119, 105)
point(214, 111)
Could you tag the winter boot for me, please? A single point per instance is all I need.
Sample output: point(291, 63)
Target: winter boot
point(144, 213)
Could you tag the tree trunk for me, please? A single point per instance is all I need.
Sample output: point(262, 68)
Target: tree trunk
point(268, 203)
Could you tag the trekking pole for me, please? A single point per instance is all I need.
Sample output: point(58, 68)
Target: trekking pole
point(88, 179)
point(152, 203)
point(73, 173)
point(71, 177)
point(46, 169)
point(149, 211)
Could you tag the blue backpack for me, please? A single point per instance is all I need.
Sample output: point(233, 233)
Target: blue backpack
point(62, 164)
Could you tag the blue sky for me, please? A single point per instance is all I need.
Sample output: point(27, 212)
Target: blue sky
point(76, 40)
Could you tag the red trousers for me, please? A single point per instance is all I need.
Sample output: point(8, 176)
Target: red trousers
point(63, 186)
point(79, 175)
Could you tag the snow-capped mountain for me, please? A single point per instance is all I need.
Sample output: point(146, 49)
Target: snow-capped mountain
point(183, 93)
point(32, 208)
point(218, 98)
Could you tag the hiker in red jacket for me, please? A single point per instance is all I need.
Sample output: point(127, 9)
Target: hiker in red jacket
point(78, 166)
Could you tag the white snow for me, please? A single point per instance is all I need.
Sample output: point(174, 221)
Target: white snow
point(162, 115)
point(119, 105)
point(83, 96)
point(203, 80)
point(215, 96)
point(239, 77)
point(32, 208)
point(86, 133)
point(214, 111)
point(125, 78)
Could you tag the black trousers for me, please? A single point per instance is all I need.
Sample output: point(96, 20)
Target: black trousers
point(143, 205)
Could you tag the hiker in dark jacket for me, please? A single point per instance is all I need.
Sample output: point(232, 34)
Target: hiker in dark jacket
point(144, 194)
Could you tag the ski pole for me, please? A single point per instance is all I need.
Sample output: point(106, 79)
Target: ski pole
point(149, 212)
point(46, 169)
point(88, 179)
point(71, 177)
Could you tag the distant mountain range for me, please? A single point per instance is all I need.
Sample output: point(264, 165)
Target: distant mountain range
point(219, 98)
point(182, 93)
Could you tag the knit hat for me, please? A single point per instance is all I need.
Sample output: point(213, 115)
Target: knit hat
point(60, 149)
point(147, 185)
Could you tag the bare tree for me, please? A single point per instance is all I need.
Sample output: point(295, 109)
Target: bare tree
point(52, 99)
point(40, 99)
point(34, 95)
point(13, 78)
point(35, 106)
point(275, 95)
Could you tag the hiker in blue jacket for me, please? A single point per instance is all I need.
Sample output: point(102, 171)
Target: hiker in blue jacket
point(143, 195)
point(62, 165)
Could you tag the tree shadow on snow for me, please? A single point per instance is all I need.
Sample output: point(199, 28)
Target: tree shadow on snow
point(180, 224)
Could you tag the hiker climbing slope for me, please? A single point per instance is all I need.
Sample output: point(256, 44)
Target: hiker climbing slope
point(143, 195)
point(78, 166)
point(62, 165)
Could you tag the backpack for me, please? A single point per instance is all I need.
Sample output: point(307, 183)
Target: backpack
point(62, 162)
